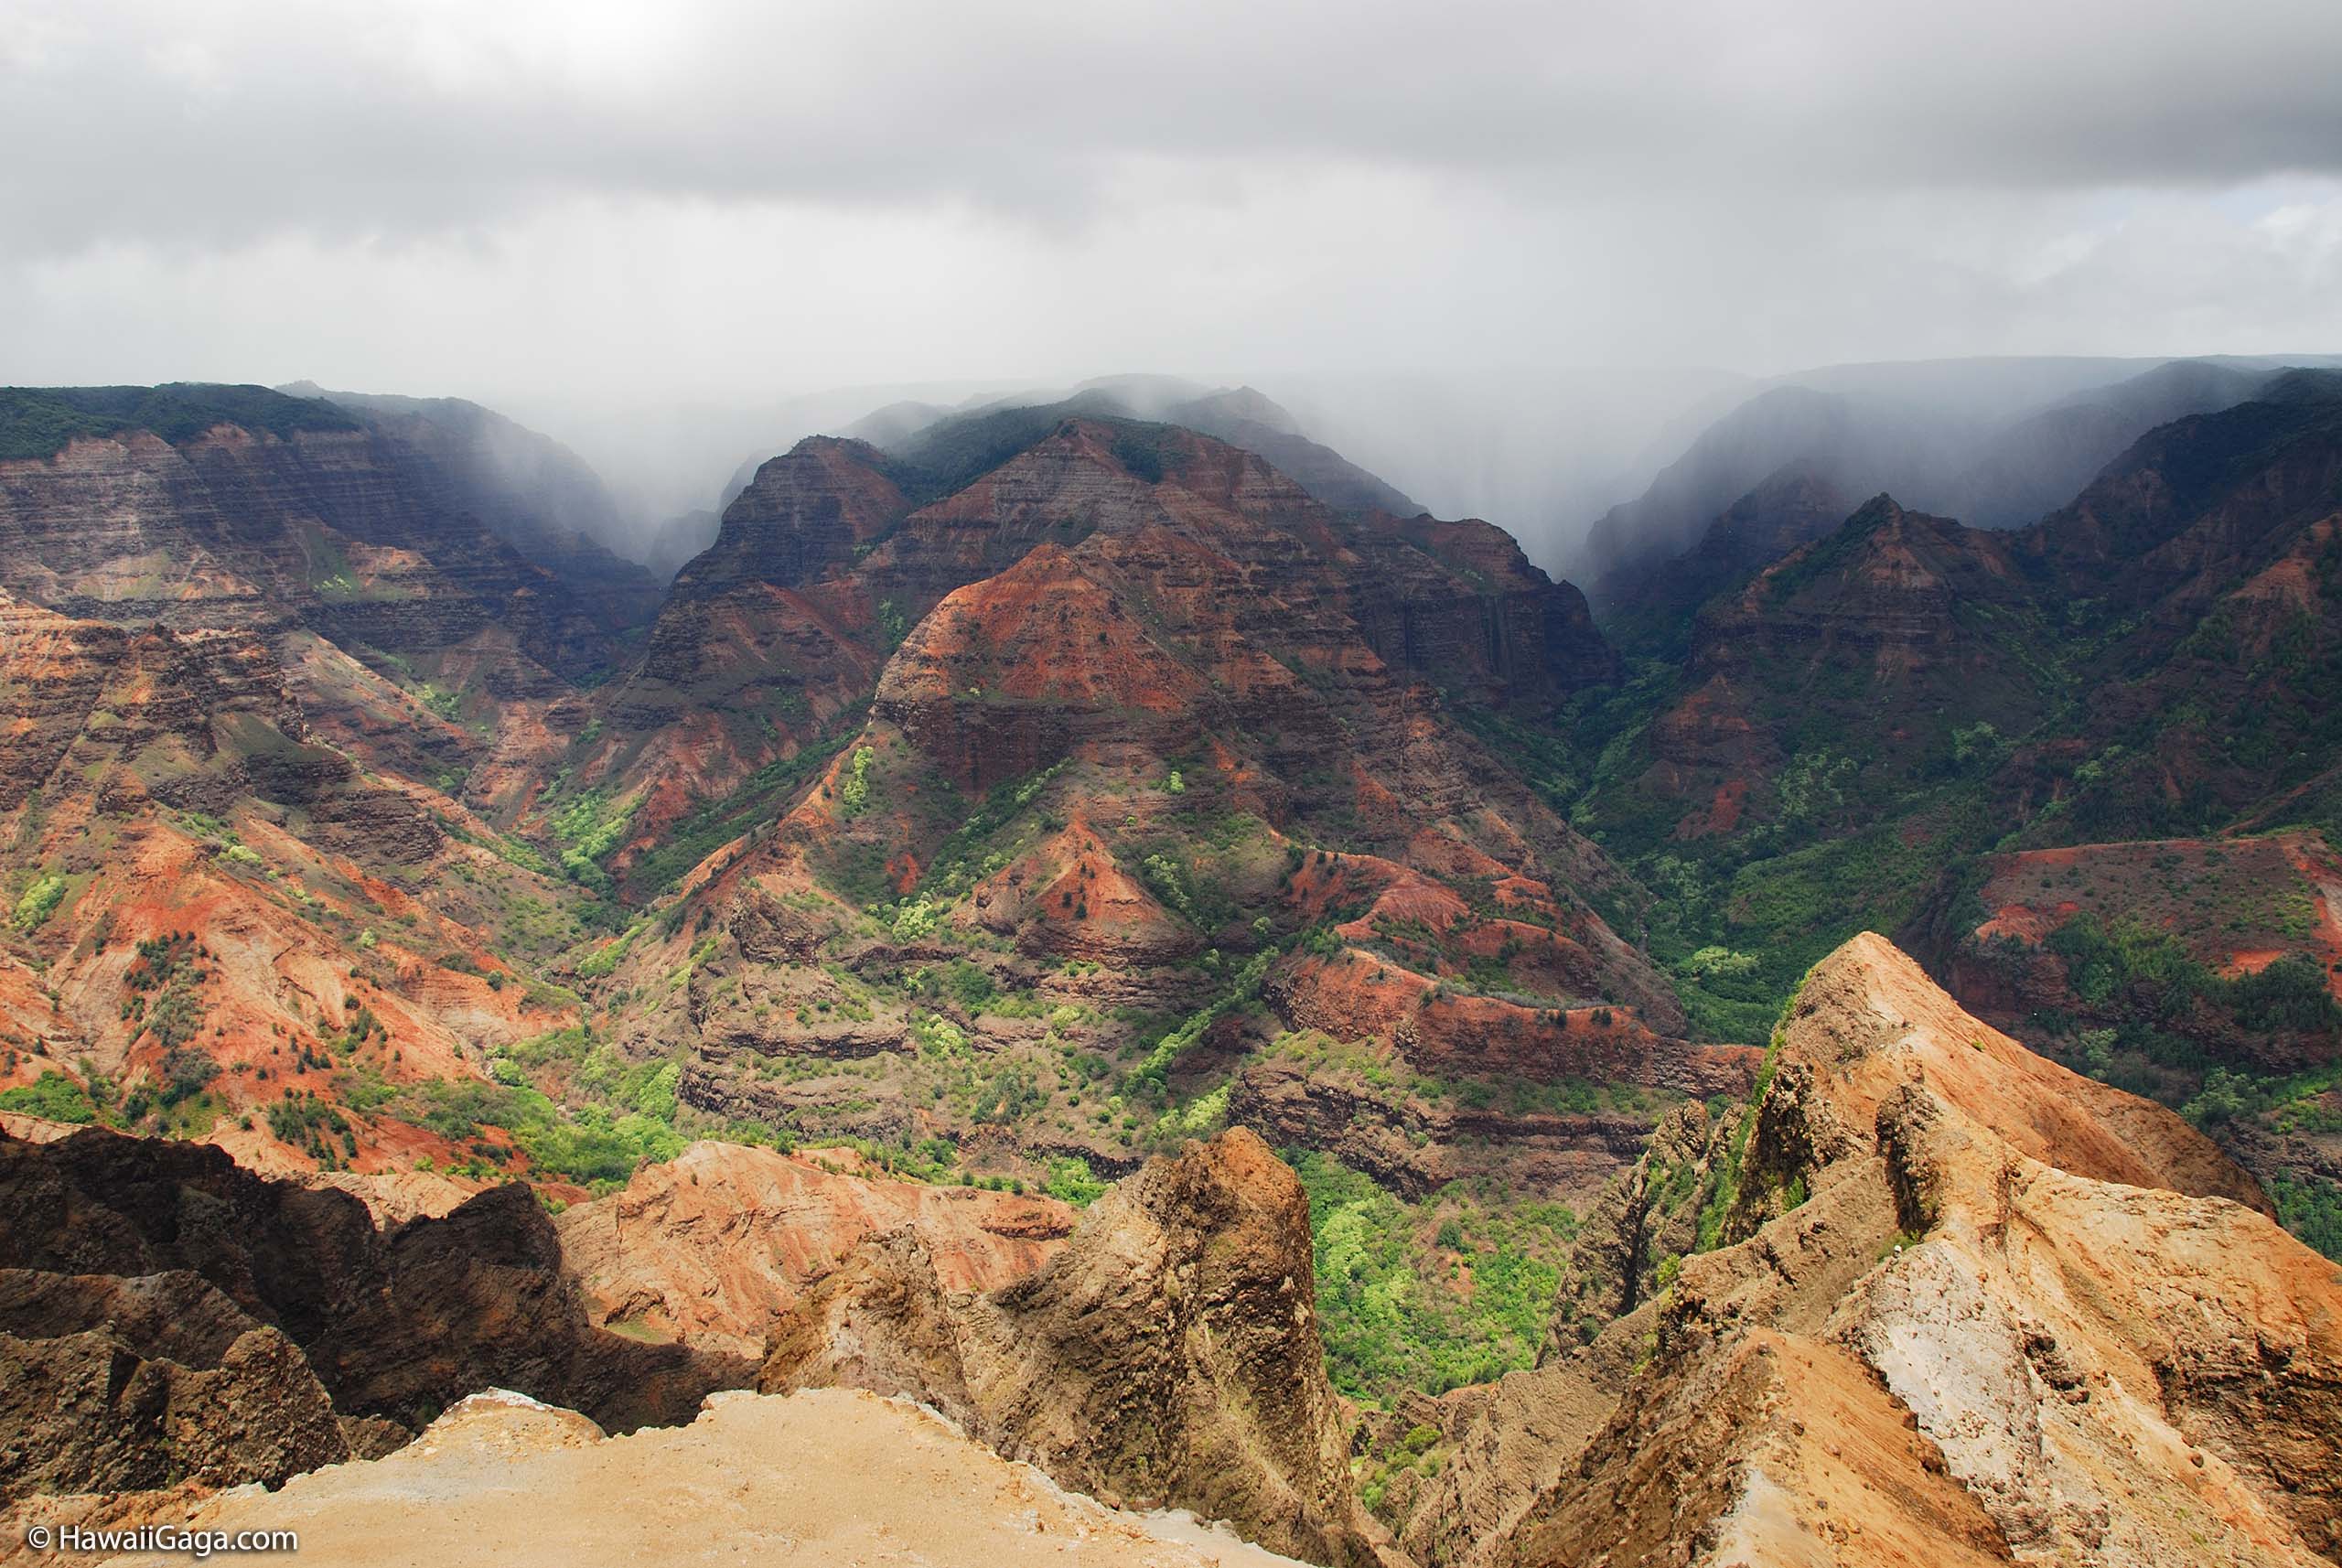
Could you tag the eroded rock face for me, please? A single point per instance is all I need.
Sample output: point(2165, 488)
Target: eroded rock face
point(1168, 1356)
point(351, 532)
point(1984, 1311)
point(712, 1247)
point(395, 1324)
point(136, 1384)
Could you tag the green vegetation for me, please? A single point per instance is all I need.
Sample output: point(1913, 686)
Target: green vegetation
point(1722, 1189)
point(604, 959)
point(310, 1124)
point(1431, 1295)
point(853, 789)
point(589, 828)
point(54, 1096)
point(627, 1118)
point(161, 984)
point(2311, 1207)
point(1070, 1182)
point(37, 421)
point(2144, 984)
point(39, 902)
point(1156, 1069)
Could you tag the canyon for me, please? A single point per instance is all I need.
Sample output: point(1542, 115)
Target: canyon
point(1081, 949)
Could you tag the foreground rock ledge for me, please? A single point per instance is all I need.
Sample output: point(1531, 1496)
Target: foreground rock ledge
point(827, 1477)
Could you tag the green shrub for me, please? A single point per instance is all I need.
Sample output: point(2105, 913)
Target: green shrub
point(54, 1096)
point(1070, 1182)
point(39, 902)
point(1389, 1317)
point(853, 789)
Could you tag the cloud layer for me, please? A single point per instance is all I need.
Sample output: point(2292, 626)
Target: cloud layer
point(533, 201)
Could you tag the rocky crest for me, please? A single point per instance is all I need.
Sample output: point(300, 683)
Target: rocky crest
point(1165, 1357)
point(1984, 1311)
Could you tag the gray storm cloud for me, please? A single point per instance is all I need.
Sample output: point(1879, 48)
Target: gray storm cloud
point(612, 218)
point(218, 121)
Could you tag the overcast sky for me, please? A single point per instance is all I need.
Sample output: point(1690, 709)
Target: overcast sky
point(533, 199)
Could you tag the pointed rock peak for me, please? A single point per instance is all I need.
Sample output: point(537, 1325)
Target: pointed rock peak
point(1880, 512)
point(1868, 1021)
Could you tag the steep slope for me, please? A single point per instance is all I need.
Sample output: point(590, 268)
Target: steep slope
point(1167, 1356)
point(827, 559)
point(1243, 417)
point(1852, 446)
point(1818, 756)
point(1984, 1311)
point(2066, 931)
point(1841, 732)
point(1896, 618)
point(273, 697)
point(315, 876)
point(2211, 554)
point(172, 1324)
point(764, 640)
point(325, 524)
point(239, 932)
point(1651, 606)
point(530, 491)
point(1162, 712)
point(205, 1271)
point(2039, 462)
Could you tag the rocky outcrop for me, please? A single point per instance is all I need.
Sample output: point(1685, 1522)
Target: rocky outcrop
point(1167, 1356)
point(113, 1384)
point(1413, 1148)
point(1645, 1222)
point(395, 1324)
point(1533, 639)
point(1777, 1450)
point(712, 1247)
point(1984, 1311)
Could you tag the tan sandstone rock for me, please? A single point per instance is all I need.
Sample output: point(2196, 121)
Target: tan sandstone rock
point(712, 1247)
